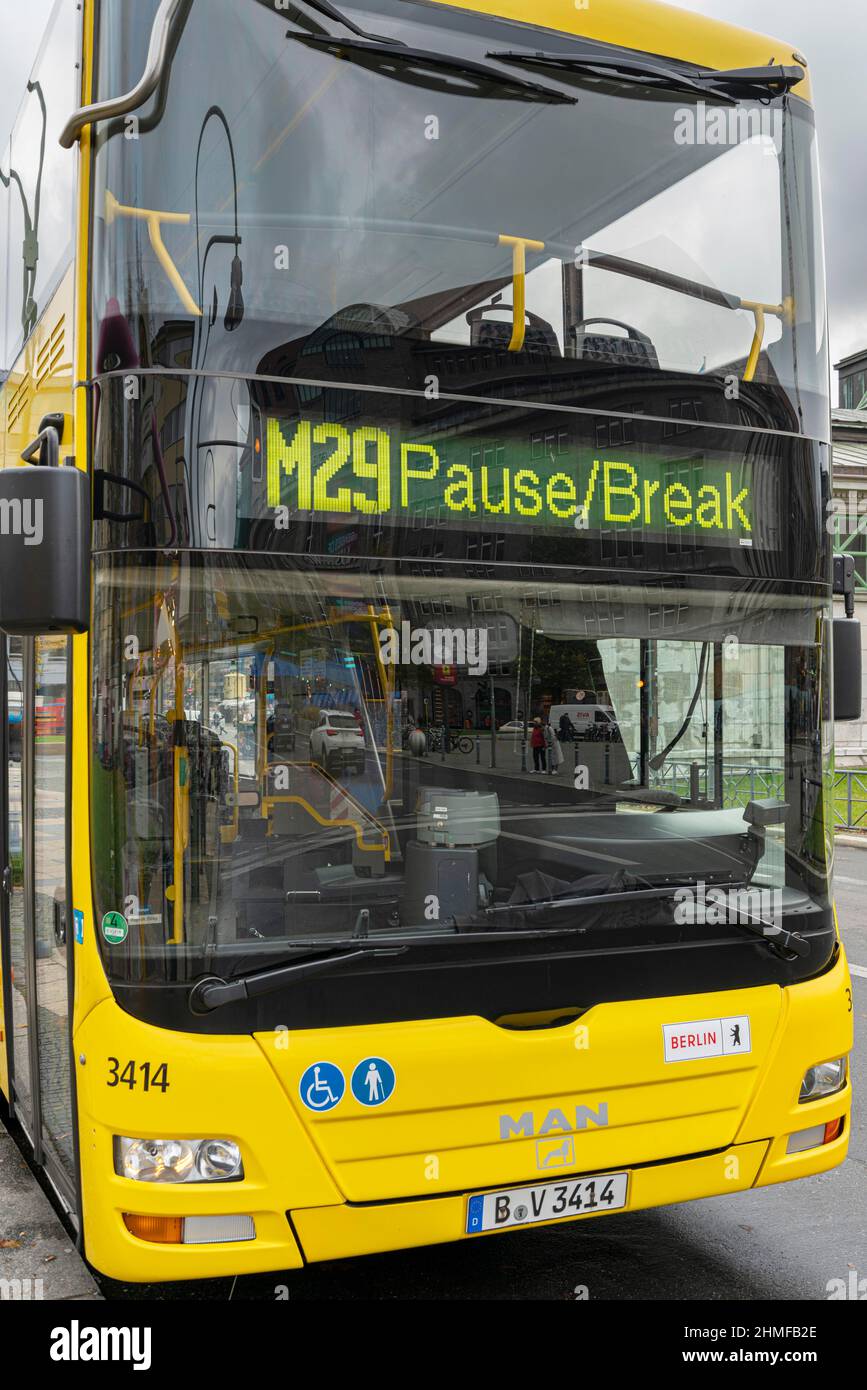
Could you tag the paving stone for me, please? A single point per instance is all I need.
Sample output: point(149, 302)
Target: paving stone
point(42, 1249)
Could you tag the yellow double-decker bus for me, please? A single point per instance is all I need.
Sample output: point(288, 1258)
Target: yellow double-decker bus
point(417, 600)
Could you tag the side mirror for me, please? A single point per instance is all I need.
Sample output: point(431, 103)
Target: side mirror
point(44, 543)
point(847, 668)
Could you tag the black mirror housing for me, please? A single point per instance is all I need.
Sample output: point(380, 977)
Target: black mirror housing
point(847, 668)
point(44, 551)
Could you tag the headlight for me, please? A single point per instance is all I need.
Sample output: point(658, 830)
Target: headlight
point(218, 1158)
point(177, 1160)
point(823, 1080)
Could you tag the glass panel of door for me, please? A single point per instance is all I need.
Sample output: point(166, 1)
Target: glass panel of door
point(21, 965)
point(35, 898)
point(50, 914)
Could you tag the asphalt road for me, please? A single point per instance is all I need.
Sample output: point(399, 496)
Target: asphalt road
point(783, 1242)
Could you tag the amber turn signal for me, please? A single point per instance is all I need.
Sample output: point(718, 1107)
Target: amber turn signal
point(163, 1230)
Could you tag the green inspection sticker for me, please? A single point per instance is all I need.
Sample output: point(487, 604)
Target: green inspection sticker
point(114, 928)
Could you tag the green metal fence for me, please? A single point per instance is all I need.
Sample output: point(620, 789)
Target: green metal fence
point(746, 782)
point(850, 799)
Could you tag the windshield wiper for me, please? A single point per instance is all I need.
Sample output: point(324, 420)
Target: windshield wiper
point(775, 937)
point(772, 77)
point(625, 69)
point(326, 8)
point(213, 992)
point(458, 929)
point(386, 57)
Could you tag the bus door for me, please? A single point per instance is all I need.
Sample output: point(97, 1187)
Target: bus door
point(36, 926)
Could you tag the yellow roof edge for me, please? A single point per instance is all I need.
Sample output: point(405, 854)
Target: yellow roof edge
point(647, 26)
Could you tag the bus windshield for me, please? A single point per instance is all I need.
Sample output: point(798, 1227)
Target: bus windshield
point(284, 755)
point(289, 206)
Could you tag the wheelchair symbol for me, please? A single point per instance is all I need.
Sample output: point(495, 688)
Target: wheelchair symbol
point(322, 1086)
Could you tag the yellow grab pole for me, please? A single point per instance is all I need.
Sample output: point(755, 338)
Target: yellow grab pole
point(784, 311)
point(154, 220)
point(520, 245)
point(758, 339)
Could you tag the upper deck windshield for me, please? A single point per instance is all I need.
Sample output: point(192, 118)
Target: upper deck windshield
point(291, 207)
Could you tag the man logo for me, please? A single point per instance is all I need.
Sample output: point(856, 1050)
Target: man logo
point(555, 1121)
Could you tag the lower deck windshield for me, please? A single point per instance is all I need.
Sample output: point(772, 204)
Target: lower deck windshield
point(286, 756)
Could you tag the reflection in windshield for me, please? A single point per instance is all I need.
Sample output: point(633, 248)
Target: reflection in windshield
point(356, 200)
point(283, 749)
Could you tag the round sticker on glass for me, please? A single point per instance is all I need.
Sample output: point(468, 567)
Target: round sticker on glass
point(114, 928)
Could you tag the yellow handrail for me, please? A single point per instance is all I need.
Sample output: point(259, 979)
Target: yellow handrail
point(154, 220)
point(228, 833)
point(321, 820)
point(520, 245)
point(364, 815)
point(783, 311)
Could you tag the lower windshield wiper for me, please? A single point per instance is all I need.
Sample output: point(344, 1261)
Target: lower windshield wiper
point(625, 69)
point(775, 937)
point(213, 992)
point(386, 57)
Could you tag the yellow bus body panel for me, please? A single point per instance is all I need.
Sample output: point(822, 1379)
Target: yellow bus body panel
point(358, 1180)
point(646, 26)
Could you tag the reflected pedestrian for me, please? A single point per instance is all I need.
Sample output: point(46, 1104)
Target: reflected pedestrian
point(537, 743)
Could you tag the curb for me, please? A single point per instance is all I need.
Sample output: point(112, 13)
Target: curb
point(852, 841)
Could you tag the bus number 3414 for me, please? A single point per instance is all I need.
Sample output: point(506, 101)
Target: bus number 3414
point(151, 1079)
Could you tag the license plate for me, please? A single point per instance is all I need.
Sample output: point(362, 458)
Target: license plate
point(523, 1206)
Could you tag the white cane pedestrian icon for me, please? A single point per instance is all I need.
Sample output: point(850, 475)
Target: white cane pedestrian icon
point(373, 1081)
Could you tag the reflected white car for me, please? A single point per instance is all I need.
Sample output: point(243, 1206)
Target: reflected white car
point(337, 742)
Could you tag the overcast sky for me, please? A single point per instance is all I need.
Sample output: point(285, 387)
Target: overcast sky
point(831, 33)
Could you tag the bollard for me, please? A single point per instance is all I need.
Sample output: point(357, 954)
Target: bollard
point(694, 787)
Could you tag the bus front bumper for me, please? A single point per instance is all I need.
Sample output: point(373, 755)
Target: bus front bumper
point(289, 1239)
point(330, 1233)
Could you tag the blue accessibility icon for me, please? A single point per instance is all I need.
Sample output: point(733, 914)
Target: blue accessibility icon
point(322, 1086)
point(373, 1081)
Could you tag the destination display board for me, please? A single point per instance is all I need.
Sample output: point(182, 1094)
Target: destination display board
point(331, 471)
point(341, 476)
